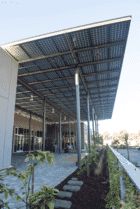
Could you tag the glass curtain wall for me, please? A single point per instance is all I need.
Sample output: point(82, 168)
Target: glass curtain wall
point(21, 140)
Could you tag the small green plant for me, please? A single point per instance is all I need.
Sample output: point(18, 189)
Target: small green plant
point(136, 163)
point(92, 156)
point(31, 198)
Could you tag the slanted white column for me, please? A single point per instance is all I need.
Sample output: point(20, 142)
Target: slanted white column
point(8, 82)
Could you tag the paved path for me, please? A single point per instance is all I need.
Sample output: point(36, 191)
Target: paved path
point(49, 175)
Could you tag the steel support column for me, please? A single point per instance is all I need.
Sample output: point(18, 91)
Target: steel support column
point(13, 140)
point(93, 120)
point(55, 131)
point(69, 131)
point(59, 131)
point(97, 127)
point(78, 117)
point(30, 133)
point(34, 139)
point(96, 124)
point(88, 114)
point(44, 116)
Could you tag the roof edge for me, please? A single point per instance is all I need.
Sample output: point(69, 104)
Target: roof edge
point(102, 23)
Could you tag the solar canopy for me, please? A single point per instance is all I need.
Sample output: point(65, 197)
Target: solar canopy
point(47, 66)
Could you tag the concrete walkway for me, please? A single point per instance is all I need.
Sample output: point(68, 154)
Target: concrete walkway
point(49, 175)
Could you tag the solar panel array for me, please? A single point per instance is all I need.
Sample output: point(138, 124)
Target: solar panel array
point(48, 66)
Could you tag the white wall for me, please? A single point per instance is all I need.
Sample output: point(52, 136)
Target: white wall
point(8, 81)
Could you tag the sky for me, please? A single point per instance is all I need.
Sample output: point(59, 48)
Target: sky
point(25, 19)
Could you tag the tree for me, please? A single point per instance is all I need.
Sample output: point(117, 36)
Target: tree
point(126, 140)
point(116, 142)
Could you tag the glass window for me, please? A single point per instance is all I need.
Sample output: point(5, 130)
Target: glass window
point(40, 133)
point(16, 130)
point(20, 130)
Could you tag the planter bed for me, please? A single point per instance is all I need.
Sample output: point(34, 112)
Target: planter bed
point(94, 189)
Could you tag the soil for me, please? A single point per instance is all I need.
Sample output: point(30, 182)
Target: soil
point(93, 191)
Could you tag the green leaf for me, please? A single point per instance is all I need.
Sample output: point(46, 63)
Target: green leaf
point(3, 171)
point(24, 198)
point(42, 206)
point(42, 162)
point(27, 159)
point(38, 158)
point(32, 156)
point(6, 205)
point(6, 194)
point(50, 205)
point(28, 164)
point(18, 199)
point(30, 193)
point(35, 202)
point(11, 192)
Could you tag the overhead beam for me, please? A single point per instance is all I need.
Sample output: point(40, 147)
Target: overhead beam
point(69, 52)
point(73, 102)
point(91, 82)
point(45, 89)
point(81, 95)
point(42, 97)
point(83, 75)
point(28, 111)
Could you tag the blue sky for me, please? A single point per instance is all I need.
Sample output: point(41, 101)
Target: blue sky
point(25, 19)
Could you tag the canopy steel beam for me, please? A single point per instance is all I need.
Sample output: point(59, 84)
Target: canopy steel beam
point(41, 96)
point(81, 95)
point(45, 89)
point(28, 111)
point(91, 82)
point(69, 52)
point(73, 102)
point(83, 75)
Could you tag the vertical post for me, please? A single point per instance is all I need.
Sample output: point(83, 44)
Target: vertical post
point(78, 117)
point(13, 141)
point(95, 124)
point(69, 131)
point(46, 136)
point(89, 143)
point(59, 131)
point(97, 127)
point(88, 114)
point(34, 139)
point(33, 180)
point(55, 131)
point(30, 133)
point(93, 120)
point(44, 123)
